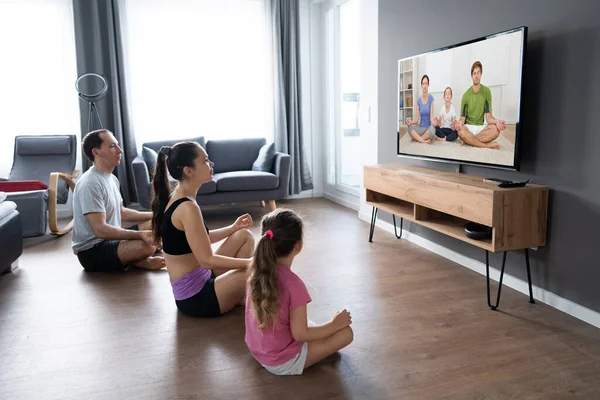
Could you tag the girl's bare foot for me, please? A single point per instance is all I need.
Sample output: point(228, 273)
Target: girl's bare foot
point(152, 263)
point(493, 145)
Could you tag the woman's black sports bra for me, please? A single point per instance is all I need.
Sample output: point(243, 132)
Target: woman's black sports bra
point(173, 240)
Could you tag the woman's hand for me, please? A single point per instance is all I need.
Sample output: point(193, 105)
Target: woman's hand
point(408, 122)
point(244, 221)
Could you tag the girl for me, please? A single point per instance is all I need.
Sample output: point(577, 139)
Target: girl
point(277, 330)
point(445, 123)
point(421, 129)
point(205, 284)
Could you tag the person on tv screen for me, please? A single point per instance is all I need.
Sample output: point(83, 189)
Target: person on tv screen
point(421, 129)
point(446, 121)
point(477, 126)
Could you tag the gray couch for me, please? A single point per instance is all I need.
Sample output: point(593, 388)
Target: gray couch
point(234, 180)
point(11, 243)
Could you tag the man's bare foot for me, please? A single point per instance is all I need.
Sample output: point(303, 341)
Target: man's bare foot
point(493, 145)
point(152, 263)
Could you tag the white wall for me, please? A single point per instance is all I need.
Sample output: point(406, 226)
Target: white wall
point(501, 60)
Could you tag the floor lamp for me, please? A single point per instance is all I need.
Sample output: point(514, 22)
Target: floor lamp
point(96, 87)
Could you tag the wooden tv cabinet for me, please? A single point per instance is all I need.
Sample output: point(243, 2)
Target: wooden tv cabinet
point(446, 201)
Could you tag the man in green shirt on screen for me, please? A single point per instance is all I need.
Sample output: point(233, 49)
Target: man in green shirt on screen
point(477, 126)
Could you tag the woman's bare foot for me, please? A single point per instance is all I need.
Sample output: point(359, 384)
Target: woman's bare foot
point(152, 263)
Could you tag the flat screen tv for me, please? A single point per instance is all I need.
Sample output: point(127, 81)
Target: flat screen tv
point(462, 103)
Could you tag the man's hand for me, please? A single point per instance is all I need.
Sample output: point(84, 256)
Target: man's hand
point(500, 124)
point(146, 236)
point(244, 221)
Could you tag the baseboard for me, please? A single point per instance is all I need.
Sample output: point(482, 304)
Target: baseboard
point(576, 310)
point(307, 194)
point(63, 212)
point(343, 202)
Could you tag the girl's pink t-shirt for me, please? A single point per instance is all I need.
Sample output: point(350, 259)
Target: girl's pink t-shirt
point(275, 345)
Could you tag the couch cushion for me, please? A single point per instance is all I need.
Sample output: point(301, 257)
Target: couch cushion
point(264, 161)
point(157, 145)
point(50, 145)
point(234, 155)
point(245, 180)
point(150, 158)
point(208, 187)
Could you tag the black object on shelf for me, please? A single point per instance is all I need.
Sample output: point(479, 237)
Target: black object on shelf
point(477, 231)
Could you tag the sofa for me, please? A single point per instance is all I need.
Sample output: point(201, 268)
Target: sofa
point(11, 242)
point(236, 176)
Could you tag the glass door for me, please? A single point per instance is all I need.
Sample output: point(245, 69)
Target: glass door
point(342, 87)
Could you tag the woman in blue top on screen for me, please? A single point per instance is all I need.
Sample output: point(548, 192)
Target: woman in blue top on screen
point(421, 129)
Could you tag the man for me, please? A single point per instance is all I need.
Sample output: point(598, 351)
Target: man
point(99, 241)
point(475, 105)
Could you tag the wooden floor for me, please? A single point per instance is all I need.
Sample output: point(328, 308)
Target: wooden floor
point(422, 329)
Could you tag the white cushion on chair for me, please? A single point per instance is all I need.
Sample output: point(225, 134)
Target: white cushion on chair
point(6, 207)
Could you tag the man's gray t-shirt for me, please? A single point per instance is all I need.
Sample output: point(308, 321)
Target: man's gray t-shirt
point(95, 191)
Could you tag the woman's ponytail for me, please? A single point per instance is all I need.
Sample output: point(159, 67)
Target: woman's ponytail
point(162, 191)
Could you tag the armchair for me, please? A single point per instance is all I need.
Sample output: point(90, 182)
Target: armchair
point(49, 161)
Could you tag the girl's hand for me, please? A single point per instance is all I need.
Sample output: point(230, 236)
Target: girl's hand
point(244, 221)
point(341, 319)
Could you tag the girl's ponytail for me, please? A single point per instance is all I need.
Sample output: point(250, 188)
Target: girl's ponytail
point(264, 291)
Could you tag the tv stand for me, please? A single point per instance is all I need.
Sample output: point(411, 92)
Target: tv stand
point(446, 201)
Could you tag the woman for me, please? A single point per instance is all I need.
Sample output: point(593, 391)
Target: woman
point(205, 284)
point(421, 129)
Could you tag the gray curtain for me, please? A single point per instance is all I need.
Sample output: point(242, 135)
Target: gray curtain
point(99, 49)
point(284, 19)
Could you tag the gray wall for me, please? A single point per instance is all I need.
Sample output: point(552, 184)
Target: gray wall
point(561, 139)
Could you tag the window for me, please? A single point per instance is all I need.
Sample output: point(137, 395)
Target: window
point(197, 68)
point(37, 73)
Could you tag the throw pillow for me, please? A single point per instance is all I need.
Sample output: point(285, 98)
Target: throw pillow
point(150, 157)
point(264, 161)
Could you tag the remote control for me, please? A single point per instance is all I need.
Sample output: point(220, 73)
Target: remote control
point(509, 184)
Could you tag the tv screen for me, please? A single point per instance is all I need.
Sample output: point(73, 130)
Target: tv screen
point(463, 103)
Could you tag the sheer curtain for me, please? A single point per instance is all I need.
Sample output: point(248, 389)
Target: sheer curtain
point(197, 67)
point(37, 72)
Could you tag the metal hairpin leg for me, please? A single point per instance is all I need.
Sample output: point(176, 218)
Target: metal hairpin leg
point(373, 219)
point(529, 277)
point(401, 222)
point(487, 273)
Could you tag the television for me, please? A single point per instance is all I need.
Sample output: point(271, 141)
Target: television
point(462, 103)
